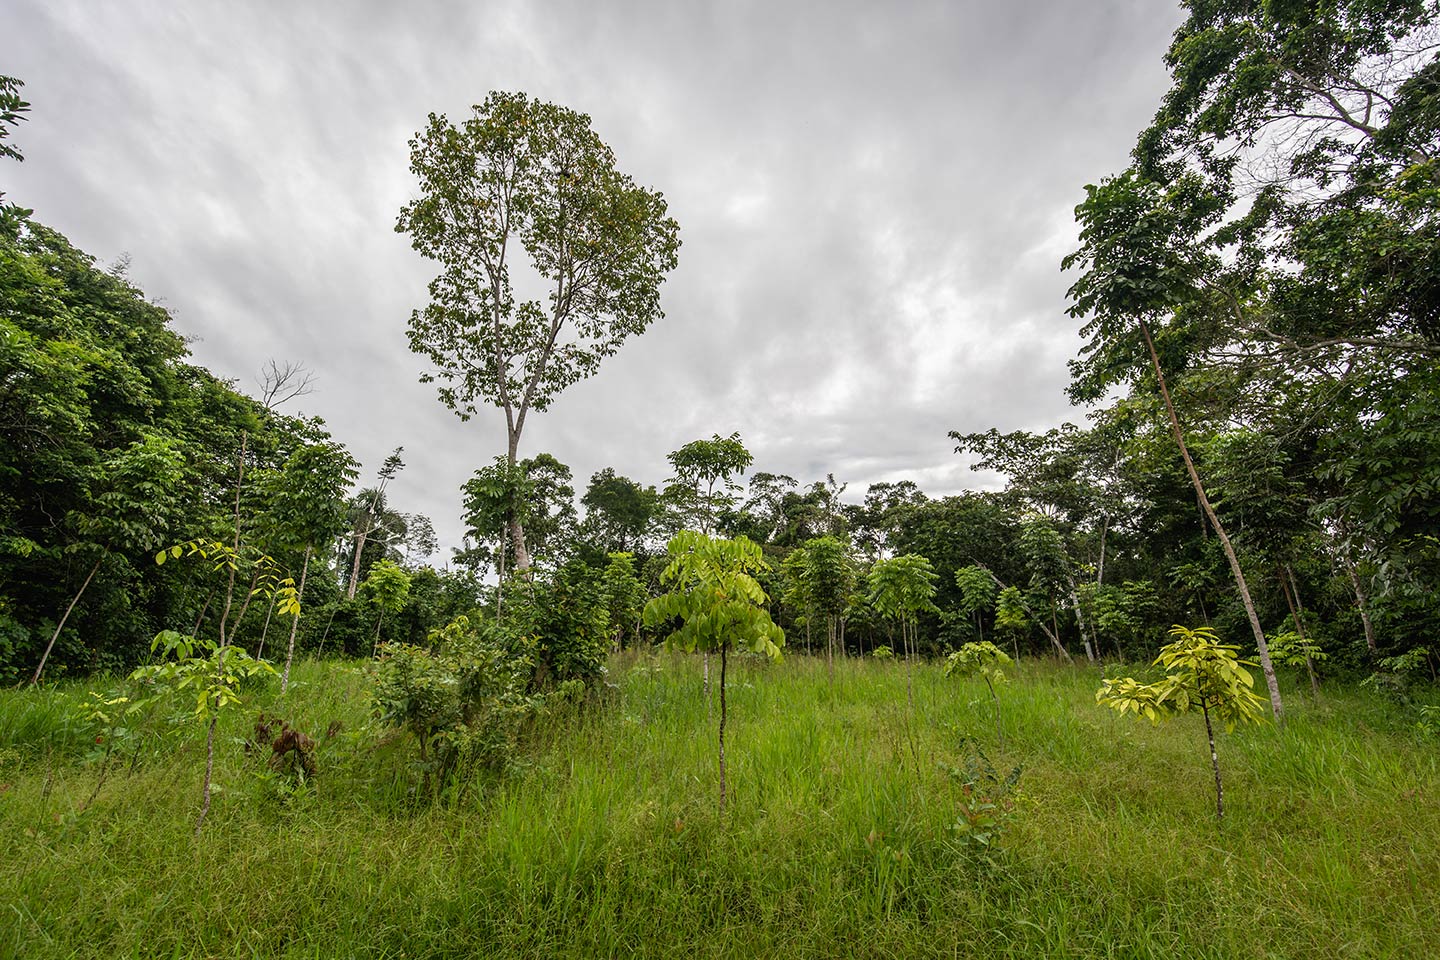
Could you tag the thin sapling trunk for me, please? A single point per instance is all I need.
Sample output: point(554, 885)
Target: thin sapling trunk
point(61, 625)
point(1268, 668)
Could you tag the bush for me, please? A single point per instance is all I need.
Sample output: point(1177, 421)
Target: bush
point(464, 699)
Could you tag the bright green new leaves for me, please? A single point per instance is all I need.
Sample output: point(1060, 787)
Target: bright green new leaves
point(715, 596)
point(266, 573)
point(1292, 650)
point(903, 587)
point(982, 659)
point(1204, 676)
point(213, 673)
point(977, 589)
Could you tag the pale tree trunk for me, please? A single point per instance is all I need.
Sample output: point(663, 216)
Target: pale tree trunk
point(1292, 598)
point(1266, 667)
point(1054, 638)
point(1362, 602)
point(265, 630)
point(295, 624)
point(1104, 529)
point(61, 625)
point(517, 532)
point(360, 537)
point(1085, 633)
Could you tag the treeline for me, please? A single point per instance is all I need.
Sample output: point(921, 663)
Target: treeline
point(113, 446)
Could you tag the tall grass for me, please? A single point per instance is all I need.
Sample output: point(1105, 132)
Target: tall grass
point(607, 840)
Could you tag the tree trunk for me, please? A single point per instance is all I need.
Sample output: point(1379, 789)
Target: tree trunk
point(204, 609)
point(1268, 668)
point(999, 734)
point(1085, 633)
point(1297, 612)
point(360, 537)
point(295, 624)
point(723, 647)
point(61, 625)
point(1363, 602)
point(1214, 764)
point(517, 531)
point(1104, 529)
point(209, 772)
point(1054, 639)
point(265, 630)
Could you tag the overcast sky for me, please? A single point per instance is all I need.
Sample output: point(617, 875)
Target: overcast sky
point(873, 201)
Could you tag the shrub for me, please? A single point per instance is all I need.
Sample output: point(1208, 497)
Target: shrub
point(463, 700)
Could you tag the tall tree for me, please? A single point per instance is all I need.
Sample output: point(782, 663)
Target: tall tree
point(709, 464)
point(520, 172)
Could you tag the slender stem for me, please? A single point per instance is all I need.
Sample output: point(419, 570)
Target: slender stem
point(723, 648)
point(1276, 704)
point(61, 625)
point(1214, 764)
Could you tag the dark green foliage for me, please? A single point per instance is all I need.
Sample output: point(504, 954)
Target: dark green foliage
point(567, 613)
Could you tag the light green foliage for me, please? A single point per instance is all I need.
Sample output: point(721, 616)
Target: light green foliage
point(720, 605)
point(1205, 675)
point(225, 560)
point(882, 652)
point(982, 659)
point(463, 700)
point(1010, 615)
point(1292, 650)
point(977, 589)
point(987, 661)
point(387, 586)
point(829, 575)
point(903, 587)
point(211, 673)
point(714, 595)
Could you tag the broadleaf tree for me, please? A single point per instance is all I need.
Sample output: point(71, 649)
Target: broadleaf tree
point(524, 178)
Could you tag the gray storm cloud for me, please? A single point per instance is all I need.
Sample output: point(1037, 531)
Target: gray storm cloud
point(873, 198)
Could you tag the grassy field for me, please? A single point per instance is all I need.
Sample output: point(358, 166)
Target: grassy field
point(837, 840)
